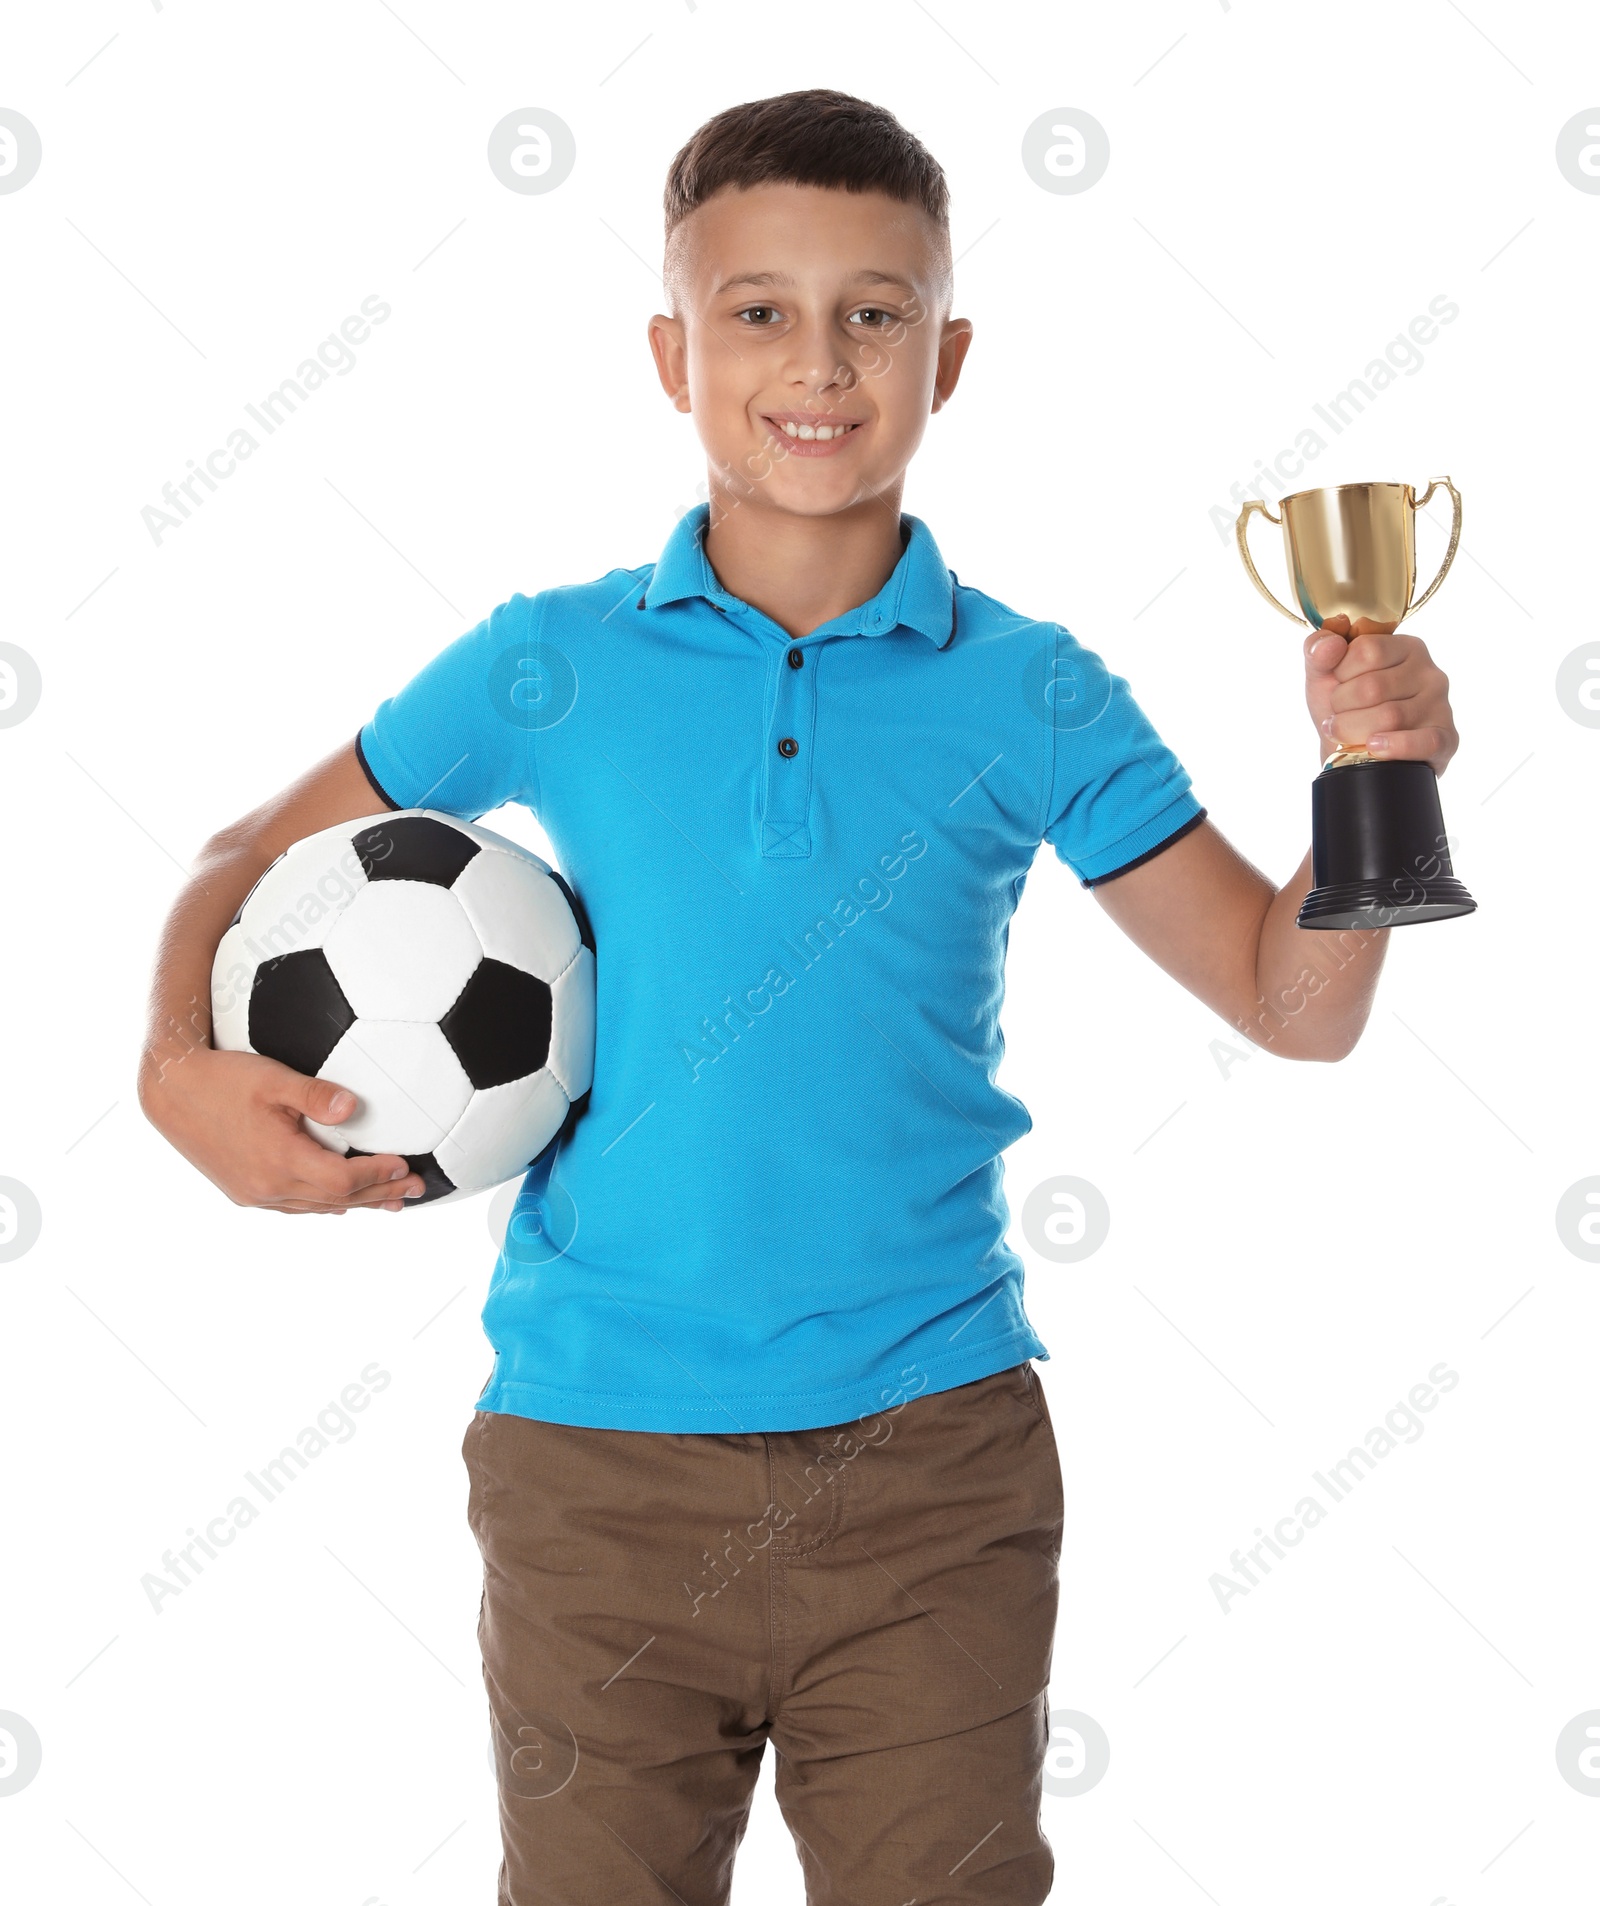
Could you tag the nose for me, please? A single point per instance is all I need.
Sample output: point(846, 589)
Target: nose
point(814, 360)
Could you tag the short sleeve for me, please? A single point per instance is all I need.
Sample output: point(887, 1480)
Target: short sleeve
point(1117, 793)
point(459, 736)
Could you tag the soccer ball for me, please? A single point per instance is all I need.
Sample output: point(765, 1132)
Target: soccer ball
point(446, 976)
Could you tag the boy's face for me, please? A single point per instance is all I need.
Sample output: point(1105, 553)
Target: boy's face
point(804, 307)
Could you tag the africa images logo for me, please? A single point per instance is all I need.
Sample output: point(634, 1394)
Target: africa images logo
point(1401, 1424)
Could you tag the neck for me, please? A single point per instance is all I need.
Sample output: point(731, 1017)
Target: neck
point(803, 571)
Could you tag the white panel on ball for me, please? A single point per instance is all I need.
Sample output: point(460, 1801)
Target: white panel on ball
point(526, 923)
point(503, 1130)
point(409, 1086)
point(403, 950)
point(297, 900)
point(572, 1026)
point(233, 974)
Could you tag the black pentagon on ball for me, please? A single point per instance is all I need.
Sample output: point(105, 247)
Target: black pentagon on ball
point(413, 847)
point(298, 1011)
point(499, 1027)
point(436, 1182)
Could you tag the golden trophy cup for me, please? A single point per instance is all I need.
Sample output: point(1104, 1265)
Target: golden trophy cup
point(1379, 856)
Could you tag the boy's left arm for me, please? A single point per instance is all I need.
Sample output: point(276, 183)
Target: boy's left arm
point(1220, 928)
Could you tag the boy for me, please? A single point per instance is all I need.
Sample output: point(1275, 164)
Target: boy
point(763, 1454)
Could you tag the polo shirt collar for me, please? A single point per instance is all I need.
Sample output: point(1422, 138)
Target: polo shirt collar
point(919, 594)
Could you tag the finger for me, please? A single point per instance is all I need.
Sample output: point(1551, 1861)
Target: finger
point(1324, 651)
point(384, 1197)
point(1327, 645)
point(330, 1179)
point(299, 1207)
point(1365, 653)
point(1382, 685)
point(365, 1200)
point(324, 1100)
point(1351, 728)
point(321, 1182)
point(1414, 744)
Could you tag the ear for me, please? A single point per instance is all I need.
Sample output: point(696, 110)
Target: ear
point(954, 342)
point(671, 354)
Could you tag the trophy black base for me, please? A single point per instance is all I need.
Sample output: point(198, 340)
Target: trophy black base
point(1379, 856)
point(1374, 903)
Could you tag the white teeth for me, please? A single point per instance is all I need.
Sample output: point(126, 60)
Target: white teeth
point(820, 433)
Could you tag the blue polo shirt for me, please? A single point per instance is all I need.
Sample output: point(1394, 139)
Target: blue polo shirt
point(782, 1206)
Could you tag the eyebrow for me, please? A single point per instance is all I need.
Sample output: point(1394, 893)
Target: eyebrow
point(781, 281)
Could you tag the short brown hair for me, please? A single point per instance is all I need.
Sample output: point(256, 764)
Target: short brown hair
point(818, 137)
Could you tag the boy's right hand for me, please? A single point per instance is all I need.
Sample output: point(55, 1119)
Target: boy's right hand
point(236, 1116)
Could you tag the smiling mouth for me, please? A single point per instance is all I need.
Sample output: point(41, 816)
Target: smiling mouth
point(810, 429)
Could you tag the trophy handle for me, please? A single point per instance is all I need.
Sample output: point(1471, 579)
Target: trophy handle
point(1455, 536)
point(1240, 527)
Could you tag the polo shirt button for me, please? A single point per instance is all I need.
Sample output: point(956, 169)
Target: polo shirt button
point(640, 603)
point(788, 747)
point(796, 659)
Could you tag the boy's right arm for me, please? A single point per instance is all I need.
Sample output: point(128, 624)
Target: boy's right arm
point(235, 1115)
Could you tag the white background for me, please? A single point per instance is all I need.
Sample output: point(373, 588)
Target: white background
point(1291, 1249)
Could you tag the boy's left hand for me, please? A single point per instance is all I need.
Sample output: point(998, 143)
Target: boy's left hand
point(1381, 692)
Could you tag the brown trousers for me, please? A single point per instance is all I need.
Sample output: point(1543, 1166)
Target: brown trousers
point(877, 1600)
